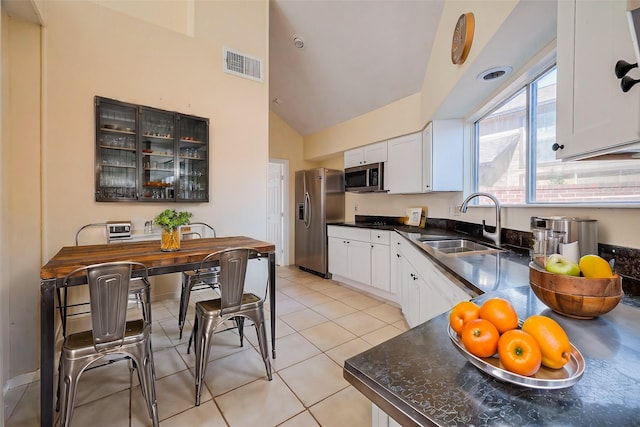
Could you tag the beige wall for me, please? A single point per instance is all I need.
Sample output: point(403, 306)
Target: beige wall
point(398, 118)
point(23, 154)
point(4, 215)
point(170, 14)
point(88, 50)
point(286, 144)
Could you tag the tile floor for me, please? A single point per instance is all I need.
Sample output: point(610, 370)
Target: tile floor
point(320, 323)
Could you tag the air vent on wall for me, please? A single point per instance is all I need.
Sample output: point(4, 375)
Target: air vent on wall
point(242, 65)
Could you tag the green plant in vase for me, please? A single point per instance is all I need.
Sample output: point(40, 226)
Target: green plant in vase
point(170, 220)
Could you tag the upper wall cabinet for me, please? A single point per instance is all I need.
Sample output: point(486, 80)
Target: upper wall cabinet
point(146, 154)
point(372, 153)
point(426, 161)
point(593, 114)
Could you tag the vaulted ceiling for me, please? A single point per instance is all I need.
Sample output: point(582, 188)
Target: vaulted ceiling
point(364, 54)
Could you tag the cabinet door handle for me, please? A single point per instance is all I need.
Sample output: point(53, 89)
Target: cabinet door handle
point(627, 83)
point(398, 255)
point(556, 146)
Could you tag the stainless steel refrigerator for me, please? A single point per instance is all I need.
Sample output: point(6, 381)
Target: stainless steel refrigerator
point(319, 201)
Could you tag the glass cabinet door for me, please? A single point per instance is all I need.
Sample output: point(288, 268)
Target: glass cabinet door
point(148, 154)
point(193, 159)
point(157, 133)
point(116, 159)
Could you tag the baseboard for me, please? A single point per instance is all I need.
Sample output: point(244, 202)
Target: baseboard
point(20, 380)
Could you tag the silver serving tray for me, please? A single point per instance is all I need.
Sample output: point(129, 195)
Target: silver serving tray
point(545, 378)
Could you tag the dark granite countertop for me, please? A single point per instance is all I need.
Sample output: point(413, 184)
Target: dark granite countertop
point(419, 378)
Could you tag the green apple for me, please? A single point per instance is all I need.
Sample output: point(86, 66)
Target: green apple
point(560, 265)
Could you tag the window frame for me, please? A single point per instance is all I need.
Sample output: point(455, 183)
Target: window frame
point(528, 81)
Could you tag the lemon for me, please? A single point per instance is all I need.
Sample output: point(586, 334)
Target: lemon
point(594, 266)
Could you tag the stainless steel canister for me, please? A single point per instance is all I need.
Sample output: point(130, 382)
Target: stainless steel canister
point(580, 230)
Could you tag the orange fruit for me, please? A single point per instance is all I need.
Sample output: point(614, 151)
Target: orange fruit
point(462, 313)
point(519, 352)
point(552, 339)
point(595, 267)
point(480, 338)
point(501, 313)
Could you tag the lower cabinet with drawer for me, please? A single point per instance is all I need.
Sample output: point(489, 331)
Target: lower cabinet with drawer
point(360, 257)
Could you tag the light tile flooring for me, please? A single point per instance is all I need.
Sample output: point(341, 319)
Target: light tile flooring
point(320, 323)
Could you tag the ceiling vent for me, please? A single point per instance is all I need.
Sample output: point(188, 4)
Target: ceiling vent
point(242, 65)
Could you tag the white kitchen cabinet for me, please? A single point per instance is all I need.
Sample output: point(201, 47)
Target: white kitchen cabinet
point(404, 164)
point(380, 267)
point(350, 259)
point(360, 257)
point(412, 286)
point(372, 153)
point(442, 156)
point(431, 160)
point(338, 256)
point(379, 418)
point(424, 290)
point(593, 114)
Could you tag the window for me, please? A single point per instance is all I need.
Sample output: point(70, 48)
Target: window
point(515, 161)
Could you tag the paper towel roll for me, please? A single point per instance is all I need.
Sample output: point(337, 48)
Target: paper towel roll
point(570, 251)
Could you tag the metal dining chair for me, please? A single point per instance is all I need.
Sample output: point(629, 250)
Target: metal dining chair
point(233, 302)
point(139, 292)
point(109, 288)
point(197, 280)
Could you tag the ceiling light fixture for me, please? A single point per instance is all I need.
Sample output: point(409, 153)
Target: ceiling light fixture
point(298, 42)
point(494, 73)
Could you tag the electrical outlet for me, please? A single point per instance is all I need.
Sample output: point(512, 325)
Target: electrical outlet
point(355, 208)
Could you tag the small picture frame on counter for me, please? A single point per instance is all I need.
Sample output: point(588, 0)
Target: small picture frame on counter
point(413, 216)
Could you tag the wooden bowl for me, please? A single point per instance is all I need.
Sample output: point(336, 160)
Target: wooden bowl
point(572, 285)
point(576, 306)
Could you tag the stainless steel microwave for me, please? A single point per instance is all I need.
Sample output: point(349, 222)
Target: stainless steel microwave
point(365, 178)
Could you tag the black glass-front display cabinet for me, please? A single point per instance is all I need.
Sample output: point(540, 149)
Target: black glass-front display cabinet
point(147, 154)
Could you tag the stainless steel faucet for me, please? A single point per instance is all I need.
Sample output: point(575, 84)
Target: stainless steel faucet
point(495, 236)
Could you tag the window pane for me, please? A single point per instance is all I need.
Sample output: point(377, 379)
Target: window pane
point(577, 181)
point(502, 151)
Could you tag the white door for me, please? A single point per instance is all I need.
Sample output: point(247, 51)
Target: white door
point(278, 170)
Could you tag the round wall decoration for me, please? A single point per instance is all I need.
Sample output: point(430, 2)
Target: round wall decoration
point(462, 38)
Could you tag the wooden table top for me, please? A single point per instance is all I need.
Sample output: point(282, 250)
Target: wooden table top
point(147, 252)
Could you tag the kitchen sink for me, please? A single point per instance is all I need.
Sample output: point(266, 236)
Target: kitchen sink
point(457, 246)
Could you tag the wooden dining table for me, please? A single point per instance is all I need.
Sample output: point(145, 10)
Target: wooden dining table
point(191, 253)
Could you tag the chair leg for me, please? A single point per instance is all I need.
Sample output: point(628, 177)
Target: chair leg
point(131, 368)
point(142, 358)
point(184, 303)
point(63, 310)
point(240, 323)
point(261, 330)
point(146, 304)
point(202, 346)
point(194, 332)
point(68, 386)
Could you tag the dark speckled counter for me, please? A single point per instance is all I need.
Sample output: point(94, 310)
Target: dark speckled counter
point(419, 378)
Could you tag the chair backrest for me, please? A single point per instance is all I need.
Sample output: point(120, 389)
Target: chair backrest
point(190, 235)
point(108, 296)
point(205, 225)
point(233, 271)
point(94, 236)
